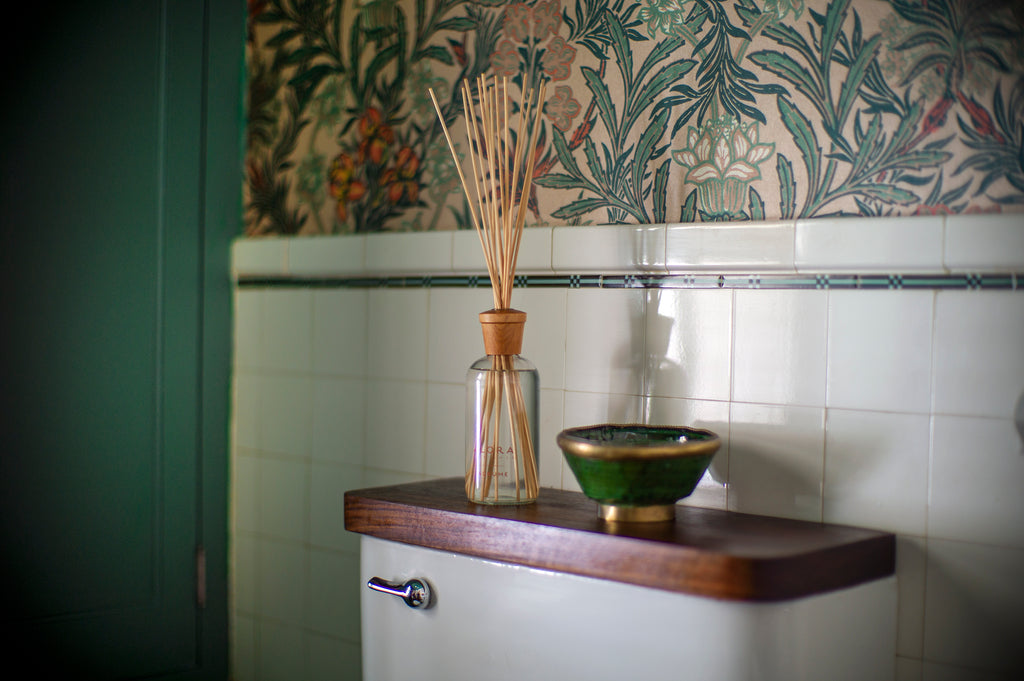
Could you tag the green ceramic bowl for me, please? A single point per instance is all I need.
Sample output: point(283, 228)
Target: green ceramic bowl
point(636, 473)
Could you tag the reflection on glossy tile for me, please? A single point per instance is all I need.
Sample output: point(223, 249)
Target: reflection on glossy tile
point(980, 243)
point(245, 476)
point(974, 608)
point(779, 347)
point(879, 350)
point(712, 490)
point(977, 475)
point(979, 361)
point(689, 344)
point(886, 245)
point(608, 248)
point(750, 247)
point(776, 455)
point(908, 669)
point(876, 470)
point(605, 331)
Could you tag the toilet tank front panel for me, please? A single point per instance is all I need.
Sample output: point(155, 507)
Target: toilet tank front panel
point(495, 621)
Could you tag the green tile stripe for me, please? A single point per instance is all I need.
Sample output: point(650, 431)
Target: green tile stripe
point(895, 282)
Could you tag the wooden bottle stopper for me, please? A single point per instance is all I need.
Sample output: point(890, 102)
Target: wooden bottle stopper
point(503, 331)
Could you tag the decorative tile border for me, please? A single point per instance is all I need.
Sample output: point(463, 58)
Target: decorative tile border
point(932, 246)
point(1010, 281)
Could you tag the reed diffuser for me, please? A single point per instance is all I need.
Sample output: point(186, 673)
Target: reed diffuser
point(502, 387)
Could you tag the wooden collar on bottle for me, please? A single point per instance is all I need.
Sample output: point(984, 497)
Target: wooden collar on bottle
point(503, 331)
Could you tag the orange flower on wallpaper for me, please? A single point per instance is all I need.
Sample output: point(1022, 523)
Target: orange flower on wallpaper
point(376, 137)
point(344, 186)
point(400, 180)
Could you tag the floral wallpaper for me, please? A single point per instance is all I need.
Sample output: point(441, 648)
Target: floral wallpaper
point(656, 110)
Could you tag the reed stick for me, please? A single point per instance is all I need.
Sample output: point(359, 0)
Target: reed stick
point(502, 175)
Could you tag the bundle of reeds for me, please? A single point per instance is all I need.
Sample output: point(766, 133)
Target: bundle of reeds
point(501, 161)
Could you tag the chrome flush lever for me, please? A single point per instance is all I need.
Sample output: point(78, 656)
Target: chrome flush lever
point(415, 592)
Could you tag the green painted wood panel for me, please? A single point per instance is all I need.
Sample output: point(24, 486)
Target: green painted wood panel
point(115, 312)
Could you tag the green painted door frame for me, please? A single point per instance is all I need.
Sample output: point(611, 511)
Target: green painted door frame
point(120, 151)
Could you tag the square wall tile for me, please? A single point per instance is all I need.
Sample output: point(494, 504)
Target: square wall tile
point(259, 256)
point(446, 430)
point(327, 255)
point(328, 485)
point(283, 580)
point(550, 456)
point(284, 498)
point(408, 252)
point(977, 478)
point(911, 565)
point(287, 329)
point(534, 255)
point(979, 352)
point(244, 573)
point(888, 245)
point(876, 470)
point(712, 490)
point(750, 247)
point(340, 343)
point(243, 648)
point(333, 659)
point(604, 340)
point(396, 428)
point(974, 608)
point(246, 409)
point(608, 248)
point(779, 349)
point(454, 338)
point(985, 243)
point(286, 414)
point(879, 350)
point(776, 458)
point(248, 327)
point(335, 584)
point(282, 652)
point(397, 334)
point(544, 338)
point(245, 477)
point(339, 419)
point(689, 343)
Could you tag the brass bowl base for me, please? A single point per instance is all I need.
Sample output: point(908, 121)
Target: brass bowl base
point(636, 514)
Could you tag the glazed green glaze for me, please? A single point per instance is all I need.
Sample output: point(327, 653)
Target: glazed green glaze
point(637, 465)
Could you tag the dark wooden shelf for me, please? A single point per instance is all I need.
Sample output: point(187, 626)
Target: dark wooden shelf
point(708, 552)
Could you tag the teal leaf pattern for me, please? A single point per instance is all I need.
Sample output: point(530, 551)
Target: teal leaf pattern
point(656, 111)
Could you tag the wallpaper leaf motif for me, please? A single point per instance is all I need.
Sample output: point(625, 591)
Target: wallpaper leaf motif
point(657, 110)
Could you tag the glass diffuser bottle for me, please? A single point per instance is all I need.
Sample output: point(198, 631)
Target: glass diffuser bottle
point(502, 395)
